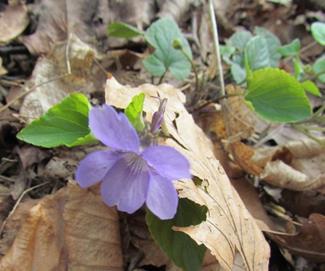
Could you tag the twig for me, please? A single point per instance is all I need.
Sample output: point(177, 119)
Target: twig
point(18, 202)
point(217, 47)
point(67, 54)
point(3, 108)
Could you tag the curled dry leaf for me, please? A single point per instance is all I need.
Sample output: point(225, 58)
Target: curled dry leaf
point(50, 81)
point(297, 165)
point(70, 230)
point(13, 21)
point(229, 227)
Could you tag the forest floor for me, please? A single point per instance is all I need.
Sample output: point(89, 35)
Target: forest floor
point(49, 49)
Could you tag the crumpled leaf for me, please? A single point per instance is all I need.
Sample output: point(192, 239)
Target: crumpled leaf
point(297, 165)
point(13, 21)
point(52, 82)
point(229, 227)
point(72, 229)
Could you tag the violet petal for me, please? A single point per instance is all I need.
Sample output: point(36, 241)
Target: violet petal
point(113, 129)
point(162, 199)
point(94, 167)
point(126, 184)
point(167, 161)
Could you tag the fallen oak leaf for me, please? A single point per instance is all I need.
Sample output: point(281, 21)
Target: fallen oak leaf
point(229, 227)
point(72, 229)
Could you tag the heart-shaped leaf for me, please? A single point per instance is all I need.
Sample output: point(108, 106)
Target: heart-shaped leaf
point(161, 35)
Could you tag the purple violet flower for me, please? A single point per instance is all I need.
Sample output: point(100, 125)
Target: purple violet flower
point(130, 176)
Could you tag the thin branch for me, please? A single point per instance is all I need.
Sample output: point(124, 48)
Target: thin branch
point(18, 202)
point(216, 46)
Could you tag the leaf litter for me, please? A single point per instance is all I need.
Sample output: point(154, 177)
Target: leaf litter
point(230, 232)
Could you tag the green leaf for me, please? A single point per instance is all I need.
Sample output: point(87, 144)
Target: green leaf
point(122, 30)
point(318, 32)
point(238, 73)
point(277, 96)
point(291, 49)
point(64, 124)
point(319, 69)
point(273, 43)
point(257, 53)
point(239, 39)
point(179, 247)
point(134, 112)
point(311, 88)
point(161, 35)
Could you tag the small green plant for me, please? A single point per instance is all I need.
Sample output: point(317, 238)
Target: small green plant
point(160, 35)
point(258, 50)
point(274, 94)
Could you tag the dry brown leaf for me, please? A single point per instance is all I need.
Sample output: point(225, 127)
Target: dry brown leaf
point(229, 227)
point(310, 242)
point(14, 222)
point(13, 21)
point(303, 170)
point(52, 83)
point(175, 8)
point(86, 19)
point(70, 230)
point(242, 122)
point(297, 165)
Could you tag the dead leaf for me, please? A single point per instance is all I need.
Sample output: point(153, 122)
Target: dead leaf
point(13, 21)
point(13, 224)
point(72, 229)
point(229, 226)
point(52, 83)
point(297, 165)
point(30, 155)
point(175, 8)
point(303, 203)
point(305, 171)
point(310, 242)
point(87, 20)
point(242, 122)
point(3, 70)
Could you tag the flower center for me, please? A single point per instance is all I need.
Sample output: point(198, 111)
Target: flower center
point(135, 162)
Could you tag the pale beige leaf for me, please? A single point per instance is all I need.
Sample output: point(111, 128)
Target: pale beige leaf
point(70, 230)
point(2, 69)
point(297, 165)
point(229, 227)
point(13, 21)
point(51, 81)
